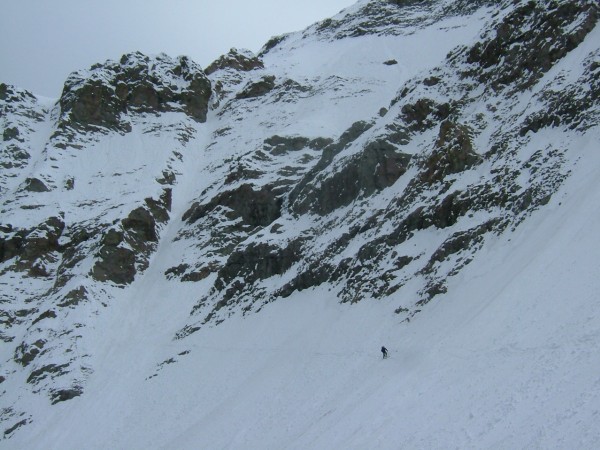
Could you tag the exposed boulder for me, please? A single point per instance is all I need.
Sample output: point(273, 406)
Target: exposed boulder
point(62, 395)
point(35, 185)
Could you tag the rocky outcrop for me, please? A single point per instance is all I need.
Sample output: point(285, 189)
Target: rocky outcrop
point(32, 249)
point(300, 197)
point(453, 153)
point(102, 97)
point(529, 40)
point(72, 298)
point(424, 114)
point(254, 207)
point(258, 88)
point(62, 395)
point(573, 106)
point(20, 111)
point(280, 145)
point(378, 165)
point(248, 265)
point(10, 243)
point(257, 262)
point(272, 43)
point(115, 262)
point(20, 102)
point(124, 250)
point(387, 17)
point(243, 61)
point(26, 352)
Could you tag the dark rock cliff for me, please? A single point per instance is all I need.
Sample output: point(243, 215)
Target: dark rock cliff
point(136, 84)
point(367, 159)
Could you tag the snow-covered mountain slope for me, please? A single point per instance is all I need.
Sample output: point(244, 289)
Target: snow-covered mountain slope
point(212, 258)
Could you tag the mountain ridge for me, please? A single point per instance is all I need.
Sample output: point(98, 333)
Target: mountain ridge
point(339, 159)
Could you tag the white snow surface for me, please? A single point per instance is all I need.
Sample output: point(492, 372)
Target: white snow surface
point(507, 359)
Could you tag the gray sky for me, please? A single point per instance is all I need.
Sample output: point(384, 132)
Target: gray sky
point(42, 41)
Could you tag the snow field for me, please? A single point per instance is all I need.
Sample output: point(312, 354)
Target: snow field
point(506, 360)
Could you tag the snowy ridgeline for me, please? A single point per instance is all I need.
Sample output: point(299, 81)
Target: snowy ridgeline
point(213, 258)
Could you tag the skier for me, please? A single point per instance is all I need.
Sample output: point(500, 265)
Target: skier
point(384, 351)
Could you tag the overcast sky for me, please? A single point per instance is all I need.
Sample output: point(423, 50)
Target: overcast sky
point(42, 41)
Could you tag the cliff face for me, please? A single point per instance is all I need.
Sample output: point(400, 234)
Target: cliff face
point(376, 153)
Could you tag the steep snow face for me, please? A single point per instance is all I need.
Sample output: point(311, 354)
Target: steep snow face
point(84, 213)
point(354, 63)
point(213, 259)
point(506, 360)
